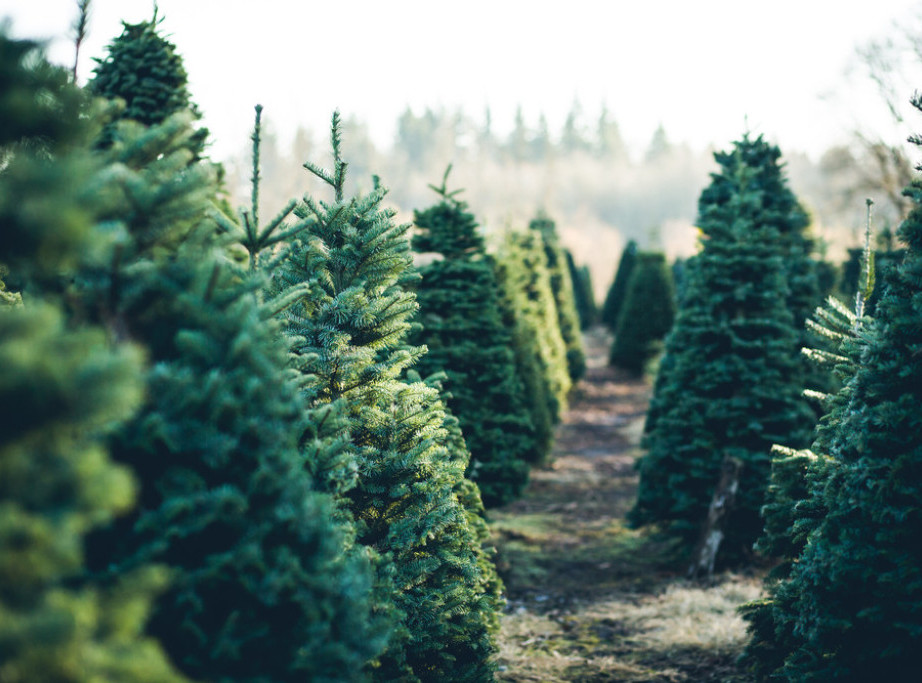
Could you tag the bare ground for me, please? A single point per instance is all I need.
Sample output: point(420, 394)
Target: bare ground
point(588, 598)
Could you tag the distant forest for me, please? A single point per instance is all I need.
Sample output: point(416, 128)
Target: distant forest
point(583, 175)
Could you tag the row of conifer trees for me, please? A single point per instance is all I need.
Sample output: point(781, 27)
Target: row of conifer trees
point(224, 451)
point(812, 458)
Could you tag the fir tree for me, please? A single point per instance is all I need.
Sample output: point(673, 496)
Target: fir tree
point(614, 299)
point(267, 585)
point(349, 335)
point(462, 328)
point(855, 593)
point(143, 69)
point(647, 315)
point(562, 288)
point(583, 297)
point(530, 311)
point(733, 382)
point(63, 387)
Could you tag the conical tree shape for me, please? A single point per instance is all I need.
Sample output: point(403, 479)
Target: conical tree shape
point(734, 376)
point(614, 299)
point(857, 589)
point(143, 69)
point(647, 315)
point(562, 288)
point(63, 386)
point(461, 325)
point(266, 585)
point(582, 292)
point(349, 333)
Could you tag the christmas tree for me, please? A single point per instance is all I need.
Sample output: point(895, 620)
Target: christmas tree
point(647, 314)
point(462, 327)
point(856, 590)
point(562, 288)
point(64, 386)
point(733, 383)
point(582, 292)
point(614, 299)
point(348, 334)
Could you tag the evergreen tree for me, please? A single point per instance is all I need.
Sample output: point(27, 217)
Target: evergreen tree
point(649, 308)
point(349, 335)
point(733, 382)
point(267, 585)
point(614, 299)
point(522, 271)
point(855, 594)
point(143, 69)
point(562, 289)
point(63, 387)
point(463, 330)
point(583, 297)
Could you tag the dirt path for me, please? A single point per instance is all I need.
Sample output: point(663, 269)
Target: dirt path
point(589, 599)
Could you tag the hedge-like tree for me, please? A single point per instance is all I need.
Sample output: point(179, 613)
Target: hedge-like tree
point(647, 315)
point(856, 591)
point(267, 584)
point(349, 335)
point(562, 288)
point(581, 278)
point(462, 327)
point(143, 69)
point(614, 299)
point(529, 311)
point(734, 380)
point(64, 386)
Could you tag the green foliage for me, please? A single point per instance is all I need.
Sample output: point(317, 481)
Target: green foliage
point(849, 608)
point(530, 312)
point(849, 285)
point(614, 299)
point(583, 297)
point(733, 379)
point(647, 314)
point(462, 327)
point(562, 288)
point(410, 502)
point(266, 585)
point(143, 69)
point(63, 387)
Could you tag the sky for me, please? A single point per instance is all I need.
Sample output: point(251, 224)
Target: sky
point(707, 70)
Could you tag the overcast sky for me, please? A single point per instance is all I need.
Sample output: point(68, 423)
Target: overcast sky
point(702, 68)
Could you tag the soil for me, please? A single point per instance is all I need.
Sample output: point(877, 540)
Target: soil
point(589, 599)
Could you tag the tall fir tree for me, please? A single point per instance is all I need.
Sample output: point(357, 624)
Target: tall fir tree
point(562, 288)
point(267, 584)
point(583, 297)
point(143, 69)
point(855, 593)
point(647, 315)
point(462, 327)
point(530, 312)
point(411, 502)
point(64, 386)
point(734, 377)
point(614, 298)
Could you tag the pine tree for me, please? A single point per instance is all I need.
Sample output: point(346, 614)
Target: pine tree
point(647, 314)
point(856, 591)
point(733, 382)
point(463, 330)
point(267, 584)
point(143, 69)
point(583, 297)
point(349, 334)
point(63, 387)
point(562, 288)
point(614, 299)
point(530, 312)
